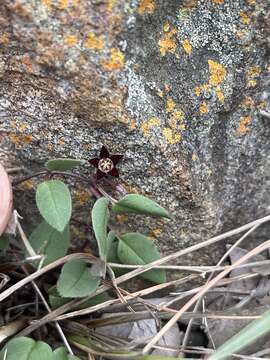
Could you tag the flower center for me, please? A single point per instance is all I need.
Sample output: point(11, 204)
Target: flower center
point(105, 165)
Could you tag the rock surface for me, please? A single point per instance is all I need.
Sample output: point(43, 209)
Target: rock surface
point(178, 86)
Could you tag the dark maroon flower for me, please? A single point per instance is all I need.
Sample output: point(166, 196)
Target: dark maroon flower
point(105, 163)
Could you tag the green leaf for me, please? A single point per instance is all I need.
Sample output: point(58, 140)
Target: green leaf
point(137, 249)
point(61, 354)
point(113, 258)
point(245, 337)
point(139, 204)
point(100, 217)
point(54, 203)
point(76, 280)
point(4, 241)
point(62, 164)
point(23, 348)
point(56, 300)
point(50, 242)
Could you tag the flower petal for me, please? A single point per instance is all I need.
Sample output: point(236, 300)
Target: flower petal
point(116, 158)
point(100, 175)
point(104, 153)
point(114, 172)
point(94, 162)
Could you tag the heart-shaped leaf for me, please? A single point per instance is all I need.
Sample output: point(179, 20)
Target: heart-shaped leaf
point(62, 164)
point(139, 204)
point(61, 354)
point(23, 348)
point(56, 300)
point(137, 249)
point(50, 242)
point(100, 217)
point(76, 280)
point(54, 203)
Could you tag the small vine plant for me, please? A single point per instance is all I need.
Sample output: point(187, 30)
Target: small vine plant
point(83, 276)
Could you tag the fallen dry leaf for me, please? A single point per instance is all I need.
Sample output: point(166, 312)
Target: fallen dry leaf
point(5, 199)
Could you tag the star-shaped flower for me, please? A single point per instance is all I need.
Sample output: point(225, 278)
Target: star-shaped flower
point(105, 163)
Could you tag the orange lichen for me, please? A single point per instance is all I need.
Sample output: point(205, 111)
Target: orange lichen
point(245, 19)
point(133, 125)
point(82, 197)
point(116, 61)
point(244, 121)
point(62, 4)
point(187, 46)
point(20, 140)
point(176, 119)
point(94, 42)
point(71, 40)
point(217, 73)
point(248, 102)
point(203, 108)
point(220, 96)
point(147, 125)
point(167, 44)
point(170, 137)
point(121, 219)
point(27, 185)
point(170, 105)
point(146, 6)
point(47, 3)
point(156, 233)
point(218, 2)
point(4, 39)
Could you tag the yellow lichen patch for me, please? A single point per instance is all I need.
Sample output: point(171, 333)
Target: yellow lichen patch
point(187, 46)
point(262, 105)
point(217, 73)
point(252, 83)
point(217, 2)
point(220, 96)
point(251, 2)
point(4, 39)
point(248, 102)
point(197, 90)
point(82, 197)
point(245, 19)
point(176, 117)
point(240, 33)
point(147, 125)
point(166, 27)
point(203, 108)
point(146, 6)
point(61, 142)
point(244, 122)
point(170, 105)
point(170, 137)
point(121, 219)
point(22, 126)
point(167, 43)
point(20, 140)
point(110, 5)
point(156, 233)
point(160, 93)
point(27, 185)
point(116, 61)
point(194, 157)
point(94, 42)
point(254, 71)
point(71, 40)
